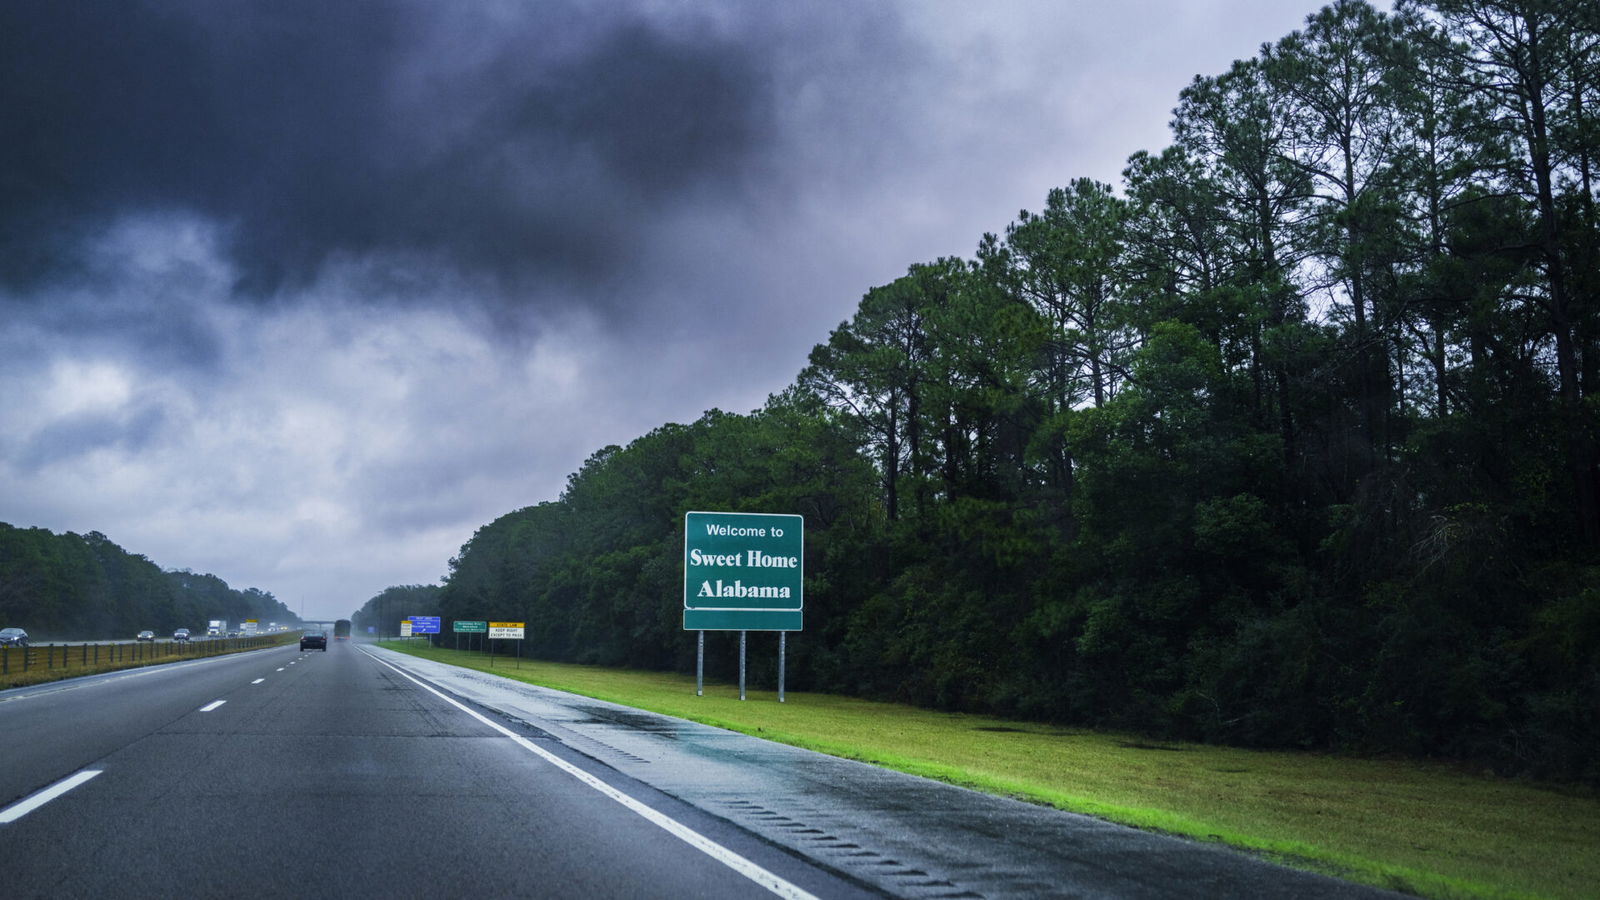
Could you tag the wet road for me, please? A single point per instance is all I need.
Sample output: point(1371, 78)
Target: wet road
point(902, 835)
point(282, 773)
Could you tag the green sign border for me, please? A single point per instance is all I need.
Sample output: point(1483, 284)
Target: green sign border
point(467, 627)
point(722, 617)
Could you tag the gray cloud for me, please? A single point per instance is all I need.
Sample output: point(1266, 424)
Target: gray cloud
point(74, 436)
point(302, 293)
point(531, 143)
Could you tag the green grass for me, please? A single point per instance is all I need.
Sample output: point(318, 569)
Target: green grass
point(1420, 827)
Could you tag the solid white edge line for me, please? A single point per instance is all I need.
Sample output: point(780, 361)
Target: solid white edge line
point(672, 826)
point(212, 705)
point(28, 804)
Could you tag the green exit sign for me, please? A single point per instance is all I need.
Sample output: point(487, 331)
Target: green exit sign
point(743, 571)
point(461, 627)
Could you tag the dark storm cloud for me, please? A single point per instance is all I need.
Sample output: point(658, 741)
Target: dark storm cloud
point(529, 146)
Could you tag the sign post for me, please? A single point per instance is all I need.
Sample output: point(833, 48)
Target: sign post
point(461, 627)
point(742, 572)
point(507, 631)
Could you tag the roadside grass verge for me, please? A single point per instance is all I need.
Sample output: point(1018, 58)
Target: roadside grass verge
point(1419, 827)
point(76, 661)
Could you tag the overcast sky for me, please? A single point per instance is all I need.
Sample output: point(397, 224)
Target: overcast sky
point(303, 293)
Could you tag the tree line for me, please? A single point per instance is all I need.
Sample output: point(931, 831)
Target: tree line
point(85, 587)
point(1290, 439)
point(382, 613)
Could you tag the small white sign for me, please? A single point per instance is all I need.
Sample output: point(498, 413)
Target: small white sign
point(405, 628)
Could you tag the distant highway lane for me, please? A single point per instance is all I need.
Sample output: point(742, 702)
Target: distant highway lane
point(281, 773)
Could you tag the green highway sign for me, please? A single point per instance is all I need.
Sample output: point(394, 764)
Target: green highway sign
point(463, 627)
point(743, 571)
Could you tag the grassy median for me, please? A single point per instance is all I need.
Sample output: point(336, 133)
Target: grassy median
point(1423, 828)
point(56, 662)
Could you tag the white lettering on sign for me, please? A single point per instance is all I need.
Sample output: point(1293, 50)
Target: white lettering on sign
point(737, 589)
point(734, 531)
point(754, 559)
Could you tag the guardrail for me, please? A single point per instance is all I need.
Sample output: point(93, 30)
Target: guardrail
point(41, 662)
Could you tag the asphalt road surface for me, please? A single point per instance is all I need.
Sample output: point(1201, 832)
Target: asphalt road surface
point(366, 773)
point(282, 773)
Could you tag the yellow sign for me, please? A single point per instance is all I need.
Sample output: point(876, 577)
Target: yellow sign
point(506, 630)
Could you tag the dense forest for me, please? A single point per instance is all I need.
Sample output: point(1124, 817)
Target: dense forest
point(1290, 439)
point(84, 587)
point(383, 612)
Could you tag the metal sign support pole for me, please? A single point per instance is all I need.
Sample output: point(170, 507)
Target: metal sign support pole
point(700, 666)
point(741, 664)
point(783, 640)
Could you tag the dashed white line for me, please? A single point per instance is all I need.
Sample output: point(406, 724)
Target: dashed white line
point(258, 681)
point(672, 826)
point(212, 705)
point(280, 670)
point(28, 804)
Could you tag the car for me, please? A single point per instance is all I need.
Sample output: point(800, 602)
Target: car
point(182, 634)
point(13, 637)
point(314, 639)
point(146, 636)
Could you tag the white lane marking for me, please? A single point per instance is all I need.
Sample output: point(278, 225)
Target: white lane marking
point(258, 681)
point(280, 670)
point(212, 705)
point(28, 804)
point(672, 826)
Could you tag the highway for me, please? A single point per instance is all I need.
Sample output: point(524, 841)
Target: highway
point(364, 772)
point(282, 773)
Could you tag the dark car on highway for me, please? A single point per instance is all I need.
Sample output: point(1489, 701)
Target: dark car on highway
point(13, 637)
point(182, 634)
point(314, 640)
point(146, 636)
